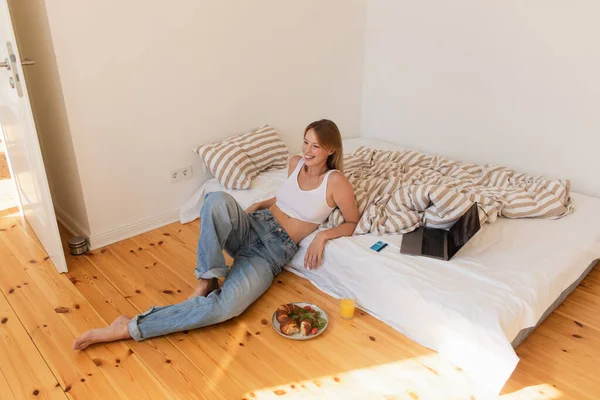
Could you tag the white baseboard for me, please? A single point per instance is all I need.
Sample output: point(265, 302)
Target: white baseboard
point(125, 232)
point(68, 222)
point(122, 233)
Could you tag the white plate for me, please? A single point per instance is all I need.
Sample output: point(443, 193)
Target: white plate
point(299, 336)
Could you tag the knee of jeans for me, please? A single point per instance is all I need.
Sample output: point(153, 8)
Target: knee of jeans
point(218, 197)
point(231, 309)
point(217, 201)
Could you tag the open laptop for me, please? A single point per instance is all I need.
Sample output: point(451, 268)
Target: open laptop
point(440, 243)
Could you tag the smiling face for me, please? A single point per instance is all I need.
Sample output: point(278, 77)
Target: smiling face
point(314, 153)
point(323, 145)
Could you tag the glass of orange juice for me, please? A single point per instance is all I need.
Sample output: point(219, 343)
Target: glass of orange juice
point(347, 307)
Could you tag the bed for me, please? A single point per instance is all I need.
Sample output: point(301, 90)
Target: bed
point(476, 308)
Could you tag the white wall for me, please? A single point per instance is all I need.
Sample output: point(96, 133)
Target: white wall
point(144, 82)
point(515, 83)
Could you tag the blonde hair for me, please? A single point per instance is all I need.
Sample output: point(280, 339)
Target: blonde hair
point(329, 138)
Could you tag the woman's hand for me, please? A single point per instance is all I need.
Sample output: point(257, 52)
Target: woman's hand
point(261, 205)
point(314, 253)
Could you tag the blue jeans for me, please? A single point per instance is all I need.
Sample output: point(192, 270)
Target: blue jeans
point(260, 248)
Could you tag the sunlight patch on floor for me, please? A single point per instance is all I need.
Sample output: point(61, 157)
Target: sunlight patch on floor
point(426, 377)
point(538, 392)
point(7, 195)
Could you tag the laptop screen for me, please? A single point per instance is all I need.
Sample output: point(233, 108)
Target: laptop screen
point(463, 230)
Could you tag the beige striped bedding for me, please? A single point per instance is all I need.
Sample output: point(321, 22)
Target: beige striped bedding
point(398, 191)
point(236, 161)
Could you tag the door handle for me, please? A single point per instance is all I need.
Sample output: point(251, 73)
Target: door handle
point(10, 63)
point(24, 62)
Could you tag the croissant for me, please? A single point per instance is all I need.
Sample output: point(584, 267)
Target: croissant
point(289, 327)
point(289, 308)
point(281, 315)
point(305, 327)
point(284, 311)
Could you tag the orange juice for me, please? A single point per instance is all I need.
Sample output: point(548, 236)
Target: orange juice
point(347, 308)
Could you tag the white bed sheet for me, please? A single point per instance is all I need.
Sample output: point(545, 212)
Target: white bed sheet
point(468, 309)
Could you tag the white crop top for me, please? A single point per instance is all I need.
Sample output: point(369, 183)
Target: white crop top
point(305, 205)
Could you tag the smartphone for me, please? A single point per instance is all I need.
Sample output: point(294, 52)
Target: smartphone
point(379, 246)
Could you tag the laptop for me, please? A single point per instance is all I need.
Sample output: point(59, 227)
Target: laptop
point(440, 243)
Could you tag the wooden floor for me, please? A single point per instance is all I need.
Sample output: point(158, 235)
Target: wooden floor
point(41, 312)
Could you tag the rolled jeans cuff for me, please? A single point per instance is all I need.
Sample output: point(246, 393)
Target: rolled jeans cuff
point(133, 328)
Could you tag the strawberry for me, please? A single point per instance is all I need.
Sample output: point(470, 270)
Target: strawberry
point(308, 308)
point(314, 331)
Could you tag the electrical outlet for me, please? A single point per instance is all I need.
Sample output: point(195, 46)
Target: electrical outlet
point(181, 174)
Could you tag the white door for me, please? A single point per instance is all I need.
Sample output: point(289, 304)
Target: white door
point(22, 145)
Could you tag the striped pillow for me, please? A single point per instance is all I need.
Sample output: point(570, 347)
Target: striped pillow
point(236, 161)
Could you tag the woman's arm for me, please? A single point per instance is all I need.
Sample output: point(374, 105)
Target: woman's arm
point(261, 205)
point(343, 196)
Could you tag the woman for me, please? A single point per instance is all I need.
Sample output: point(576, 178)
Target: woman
point(261, 240)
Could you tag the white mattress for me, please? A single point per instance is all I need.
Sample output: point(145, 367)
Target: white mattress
point(468, 309)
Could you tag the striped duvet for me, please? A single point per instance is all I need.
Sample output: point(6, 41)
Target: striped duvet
point(398, 191)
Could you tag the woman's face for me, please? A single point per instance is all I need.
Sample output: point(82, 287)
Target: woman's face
point(314, 154)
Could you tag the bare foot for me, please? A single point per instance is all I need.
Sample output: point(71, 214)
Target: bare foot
point(115, 331)
point(205, 287)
